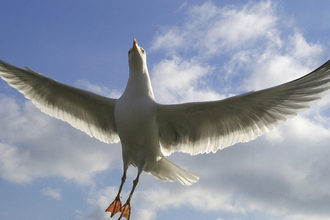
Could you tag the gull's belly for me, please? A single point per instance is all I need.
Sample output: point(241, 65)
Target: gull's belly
point(135, 121)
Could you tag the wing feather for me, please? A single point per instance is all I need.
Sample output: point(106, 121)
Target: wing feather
point(86, 111)
point(205, 127)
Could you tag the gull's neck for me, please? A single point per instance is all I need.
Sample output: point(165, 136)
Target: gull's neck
point(139, 84)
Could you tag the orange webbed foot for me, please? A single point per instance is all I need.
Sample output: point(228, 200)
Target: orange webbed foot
point(125, 211)
point(115, 206)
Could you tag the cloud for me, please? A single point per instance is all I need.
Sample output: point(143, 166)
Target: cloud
point(211, 30)
point(217, 52)
point(12, 164)
point(272, 66)
point(35, 145)
point(100, 200)
point(177, 80)
point(302, 217)
point(283, 174)
point(246, 39)
point(282, 179)
point(53, 193)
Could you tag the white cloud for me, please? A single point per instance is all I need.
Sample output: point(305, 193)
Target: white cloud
point(199, 198)
point(177, 80)
point(35, 145)
point(234, 28)
point(250, 37)
point(270, 177)
point(283, 174)
point(171, 39)
point(272, 66)
point(12, 164)
point(53, 193)
point(303, 217)
point(211, 30)
point(100, 200)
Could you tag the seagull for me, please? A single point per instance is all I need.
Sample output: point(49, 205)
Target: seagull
point(149, 131)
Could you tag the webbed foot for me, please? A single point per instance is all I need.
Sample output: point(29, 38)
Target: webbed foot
point(115, 206)
point(125, 211)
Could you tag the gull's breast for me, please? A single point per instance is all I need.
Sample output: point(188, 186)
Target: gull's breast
point(135, 122)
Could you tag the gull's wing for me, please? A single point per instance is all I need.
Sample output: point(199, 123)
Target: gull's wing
point(205, 127)
point(86, 111)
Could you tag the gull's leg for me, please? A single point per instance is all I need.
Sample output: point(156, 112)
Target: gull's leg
point(126, 208)
point(115, 206)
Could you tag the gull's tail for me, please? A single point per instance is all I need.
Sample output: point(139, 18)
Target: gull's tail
point(165, 170)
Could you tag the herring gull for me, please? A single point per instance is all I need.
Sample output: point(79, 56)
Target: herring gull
point(149, 131)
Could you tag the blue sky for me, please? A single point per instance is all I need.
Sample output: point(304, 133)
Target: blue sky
point(197, 50)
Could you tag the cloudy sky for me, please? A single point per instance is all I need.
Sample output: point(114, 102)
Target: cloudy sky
point(197, 50)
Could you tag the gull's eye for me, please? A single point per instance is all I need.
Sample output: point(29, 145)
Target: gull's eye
point(142, 50)
point(129, 51)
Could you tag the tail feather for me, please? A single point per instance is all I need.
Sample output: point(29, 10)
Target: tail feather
point(165, 170)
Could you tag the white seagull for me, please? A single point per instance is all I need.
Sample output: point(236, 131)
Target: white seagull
point(149, 131)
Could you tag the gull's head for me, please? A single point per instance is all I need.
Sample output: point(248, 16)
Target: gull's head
point(137, 57)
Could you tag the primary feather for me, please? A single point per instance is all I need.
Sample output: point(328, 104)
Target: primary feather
point(205, 127)
point(86, 111)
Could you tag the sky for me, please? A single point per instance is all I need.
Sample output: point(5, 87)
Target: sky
point(196, 51)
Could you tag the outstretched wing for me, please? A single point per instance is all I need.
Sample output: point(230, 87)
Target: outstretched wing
point(205, 127)
point(86, 111)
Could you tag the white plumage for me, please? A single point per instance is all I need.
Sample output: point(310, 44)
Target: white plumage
point(149, 131)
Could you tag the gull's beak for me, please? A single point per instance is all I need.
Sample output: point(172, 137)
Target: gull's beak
point(135, 44)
